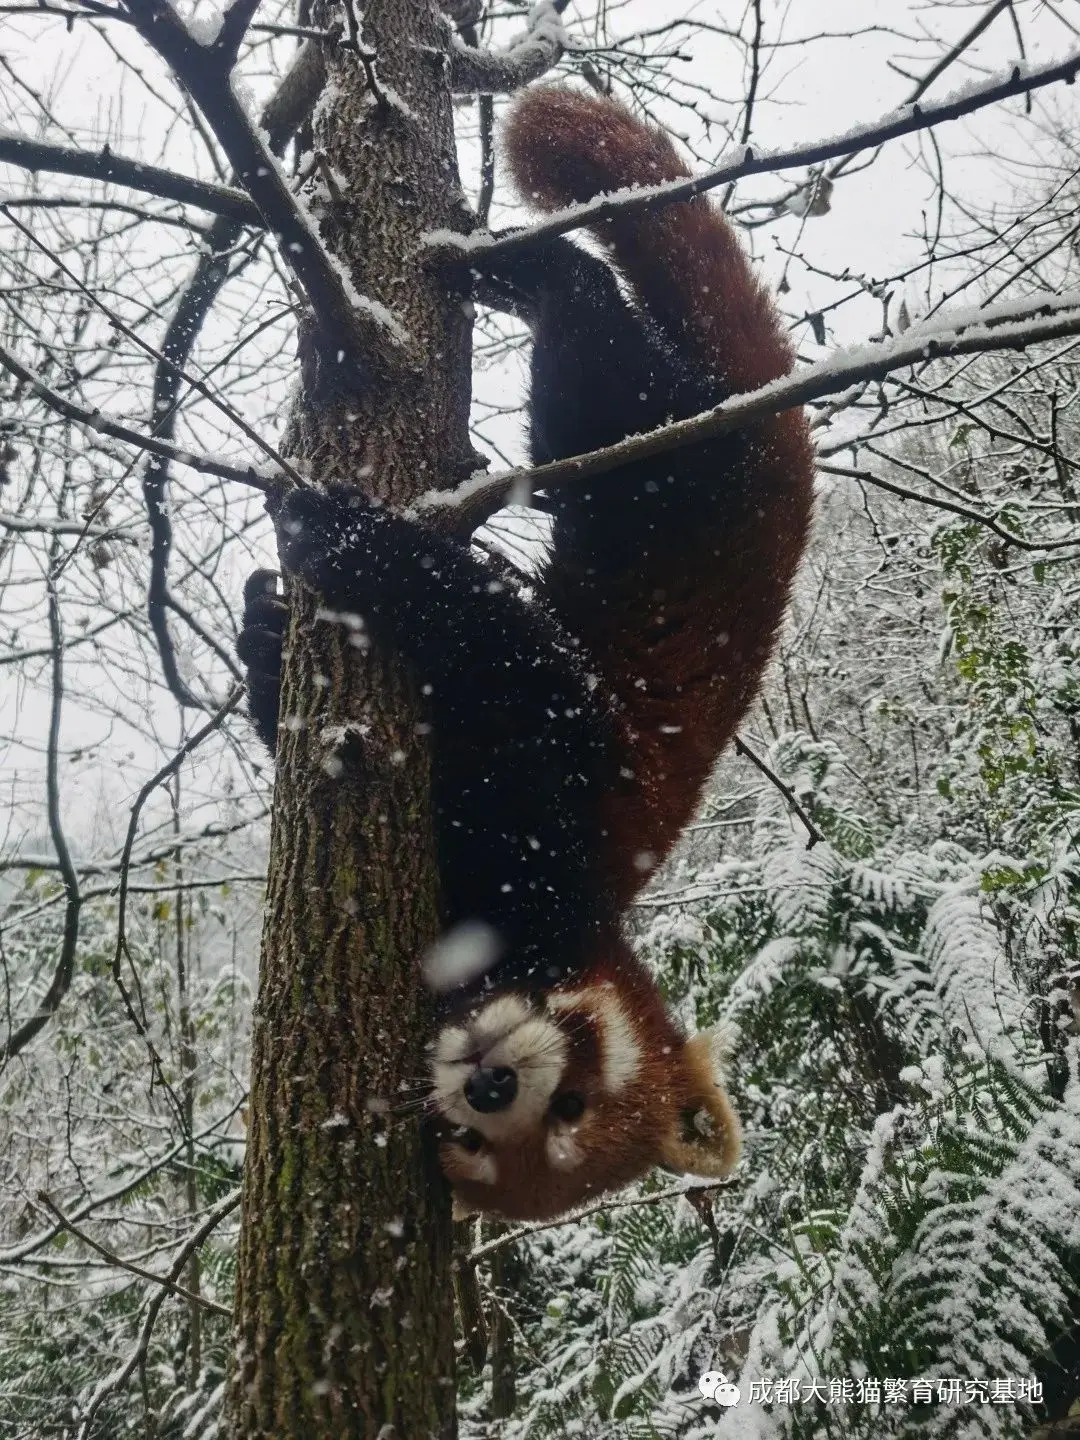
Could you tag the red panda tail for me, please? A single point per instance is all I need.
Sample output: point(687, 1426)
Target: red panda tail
point(681, 625)
point(683, 260)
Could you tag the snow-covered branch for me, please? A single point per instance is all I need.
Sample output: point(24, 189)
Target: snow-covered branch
point(175, 845)
point(1002, 327)
point(126, 1369)
point(1020, 80)
point(937, 502)
point(530, 55)
point(364, 329)
point(115, 1194)
point(132, 1266)
point(94, 420)
point(38, 155)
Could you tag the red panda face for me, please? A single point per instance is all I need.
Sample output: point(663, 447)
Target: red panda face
point(554, 1099)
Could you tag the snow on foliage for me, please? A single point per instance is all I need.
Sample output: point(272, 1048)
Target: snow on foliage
point(970, 973)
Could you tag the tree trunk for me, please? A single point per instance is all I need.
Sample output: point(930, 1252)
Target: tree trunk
point(344, 1313)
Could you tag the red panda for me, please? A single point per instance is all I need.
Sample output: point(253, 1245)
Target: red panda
point(572, 734)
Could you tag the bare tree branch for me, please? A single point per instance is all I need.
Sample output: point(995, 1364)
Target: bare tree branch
point(119, 207)
point(292, 101)
point(473, 71)
point(153, 856)
point(196, 382)
point(36, 155)
point(82, 528)
point(33, 1243)
point(289, 105)
point(169, 768)
point(486, 113)
point(21, 1036)
point(37, 652)
point(234, 25)
point(751, 92)
point(96, 421)
point(371, 337)
point(124, 1372)
point(937, 502)
point(814, 834)
point(921, 86)
point(985, 20)
point(129, 1265)
point(601, 1207)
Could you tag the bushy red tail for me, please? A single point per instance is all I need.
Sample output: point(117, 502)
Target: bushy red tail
point(679, 620)
point(683, 260)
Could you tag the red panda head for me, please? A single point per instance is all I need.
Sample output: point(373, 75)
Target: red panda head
point(551, 1099)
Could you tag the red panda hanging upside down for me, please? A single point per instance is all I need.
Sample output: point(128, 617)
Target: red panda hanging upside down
point(572, 734)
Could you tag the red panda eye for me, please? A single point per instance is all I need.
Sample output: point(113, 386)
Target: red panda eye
point(470, 1140)
point(567, 1105)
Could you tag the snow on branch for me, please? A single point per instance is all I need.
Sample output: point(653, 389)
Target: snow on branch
point(287, 107)
point(123, 1372)
point(290, 104)
point(968, 332)
point(1020, 80)
point(368, 334)
point(938, 502)
point(94, 420)
point(178, 843)
point(526, 58)
point(116, 1194)
point(37, 155)
point(132, 1266)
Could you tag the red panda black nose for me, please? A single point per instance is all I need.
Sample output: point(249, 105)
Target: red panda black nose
point(490, 1090)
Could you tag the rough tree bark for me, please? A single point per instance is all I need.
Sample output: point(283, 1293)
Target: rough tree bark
point(344, 1318)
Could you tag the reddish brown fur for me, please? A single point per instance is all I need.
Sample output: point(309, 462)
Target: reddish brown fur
point(623, 1134)
point(698, 626)
point(675, 598)
point(680, 635)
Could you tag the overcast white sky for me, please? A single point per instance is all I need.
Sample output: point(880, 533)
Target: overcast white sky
point(809, 90)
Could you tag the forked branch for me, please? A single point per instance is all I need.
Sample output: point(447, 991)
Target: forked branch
point(372, 339)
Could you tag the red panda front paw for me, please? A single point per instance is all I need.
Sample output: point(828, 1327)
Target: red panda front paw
point(263, 627)
point(258, 645)
point(316, 529)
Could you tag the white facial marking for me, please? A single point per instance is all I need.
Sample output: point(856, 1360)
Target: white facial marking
point(619, 1045)
point(481, 1167)
point(451, 1044)
point(499, 1017)
point(505, 1033)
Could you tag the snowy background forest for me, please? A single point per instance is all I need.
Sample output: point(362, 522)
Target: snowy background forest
point(898, 1253)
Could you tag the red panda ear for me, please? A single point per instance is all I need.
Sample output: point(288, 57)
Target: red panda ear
point(704, 1137)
